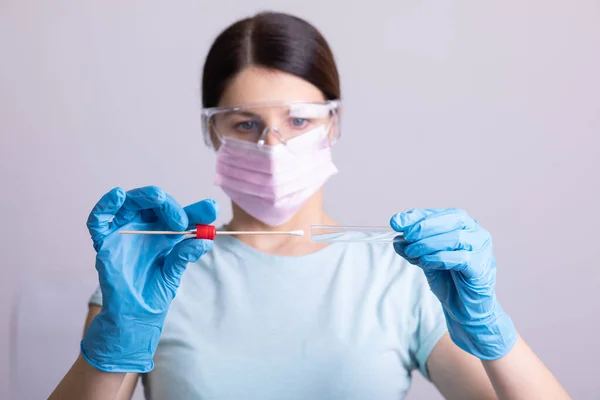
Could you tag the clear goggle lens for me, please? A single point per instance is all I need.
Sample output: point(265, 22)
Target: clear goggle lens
point(254, 122)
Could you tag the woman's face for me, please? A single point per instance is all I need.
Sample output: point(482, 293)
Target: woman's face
point(259, 85)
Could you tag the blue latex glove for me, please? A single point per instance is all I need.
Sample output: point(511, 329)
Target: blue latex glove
point(457, 257)
point(139, 274)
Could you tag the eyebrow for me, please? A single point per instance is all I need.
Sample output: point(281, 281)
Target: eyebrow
point(245, 113)
point(241, 113)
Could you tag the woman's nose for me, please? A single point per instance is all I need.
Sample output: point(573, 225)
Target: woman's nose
point(271, 136)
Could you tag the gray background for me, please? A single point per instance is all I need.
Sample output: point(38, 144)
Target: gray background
point(493, 107)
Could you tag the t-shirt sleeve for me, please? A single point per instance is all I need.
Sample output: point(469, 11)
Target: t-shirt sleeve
point(431, 325)
point(96, 297)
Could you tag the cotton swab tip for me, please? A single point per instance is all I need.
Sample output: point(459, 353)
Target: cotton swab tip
point(299, 232)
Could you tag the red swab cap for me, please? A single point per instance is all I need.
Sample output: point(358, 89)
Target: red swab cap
point(206, 232)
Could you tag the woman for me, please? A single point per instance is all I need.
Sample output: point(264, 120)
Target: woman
point(284, 318)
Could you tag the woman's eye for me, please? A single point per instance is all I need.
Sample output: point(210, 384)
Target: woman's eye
point(299, 122)
point(247, 125)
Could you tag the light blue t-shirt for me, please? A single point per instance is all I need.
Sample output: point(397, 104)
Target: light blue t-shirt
point(351, 321)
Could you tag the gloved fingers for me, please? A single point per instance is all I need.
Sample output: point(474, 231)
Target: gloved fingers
point(400, 246)
point(148, 216)
point(138, 199)
point(401, 221)
point(459, 239)
point(202, 212)
point(142, 200)
point(99, 221)
point(183, 253)
point(457, 260)
point(172, 215)
point(439, 223)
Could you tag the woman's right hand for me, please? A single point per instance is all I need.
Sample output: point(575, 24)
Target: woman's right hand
point(139, 274)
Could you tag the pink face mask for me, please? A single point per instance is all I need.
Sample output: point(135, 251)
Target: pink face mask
point(271, 183)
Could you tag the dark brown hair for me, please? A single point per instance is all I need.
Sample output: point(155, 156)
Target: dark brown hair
point(271, 40)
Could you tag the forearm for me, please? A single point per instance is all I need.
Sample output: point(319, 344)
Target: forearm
point(521, 375)
point(86, 382)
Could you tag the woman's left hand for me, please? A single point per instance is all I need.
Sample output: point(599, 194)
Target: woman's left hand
point(457, 258)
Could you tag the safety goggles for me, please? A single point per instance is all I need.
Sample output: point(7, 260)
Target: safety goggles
point(253, 122)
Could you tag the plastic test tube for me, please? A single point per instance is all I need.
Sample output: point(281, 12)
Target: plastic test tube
point(210, 232)
point(362, 234)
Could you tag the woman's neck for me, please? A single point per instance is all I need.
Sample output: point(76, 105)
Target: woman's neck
point(311, 213)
